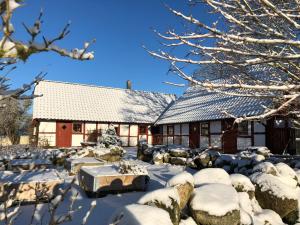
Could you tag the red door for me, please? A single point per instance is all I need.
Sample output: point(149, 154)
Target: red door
point(194, 135)
point(63, 134)
point(229, 137)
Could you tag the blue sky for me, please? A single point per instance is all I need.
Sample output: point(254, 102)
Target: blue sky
point(120, 28)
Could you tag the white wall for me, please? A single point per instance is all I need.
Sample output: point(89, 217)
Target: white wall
point(77, 139)
point(149, 130)
point(133, 141)
point(46, 126)
point(45, 139)
point(90, 127)
point(150, 139)
point(102, 127)
point(215, 127)
point(134, 130)
point(124, 141)
point(124, 130)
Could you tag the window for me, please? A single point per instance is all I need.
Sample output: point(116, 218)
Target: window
point(243, 128)
point(143, 129)
point(204, 129)
point(77, 127)
point(170, 130)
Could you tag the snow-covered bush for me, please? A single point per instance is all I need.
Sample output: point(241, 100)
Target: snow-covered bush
point(110, 137)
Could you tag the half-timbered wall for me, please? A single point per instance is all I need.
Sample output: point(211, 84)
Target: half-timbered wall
point(211, 134)
point(176, 134)
point(130, 134)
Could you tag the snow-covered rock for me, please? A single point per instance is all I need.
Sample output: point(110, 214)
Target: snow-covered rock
point(140, 215)
point(188, 221)
point(286, 171)
point(158, 158)
point(215, 204)
point(266, 167)
point(184, 183)
point(224, 160)
point(267, 216)
point(181, 178)
point(272, 193)
point(165, 198)
point(203, 160)
point(166, 157)
point(178, 151)
point(178, 161)
point(211, 175)
point(242, 183)
point(246, 209)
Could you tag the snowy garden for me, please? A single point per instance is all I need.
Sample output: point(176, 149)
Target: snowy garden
point(251, 48)
point(104, 183)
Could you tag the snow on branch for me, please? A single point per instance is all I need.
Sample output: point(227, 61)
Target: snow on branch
point(256, 47)
point(12, 48)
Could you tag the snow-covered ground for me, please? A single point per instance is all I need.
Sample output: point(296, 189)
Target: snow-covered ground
point(106, 206)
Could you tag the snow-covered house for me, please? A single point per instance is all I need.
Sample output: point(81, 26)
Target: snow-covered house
point(67, 113)
point(201, 119)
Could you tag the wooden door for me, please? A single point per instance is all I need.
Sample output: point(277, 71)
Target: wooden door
point(278, 135)
point(63, 134)
point(194, 137)
point(229, 137)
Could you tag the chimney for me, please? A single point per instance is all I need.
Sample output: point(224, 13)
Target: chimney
point(128, 84)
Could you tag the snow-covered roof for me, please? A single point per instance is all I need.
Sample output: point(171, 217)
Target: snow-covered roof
point(70, 101)
point(197, 104)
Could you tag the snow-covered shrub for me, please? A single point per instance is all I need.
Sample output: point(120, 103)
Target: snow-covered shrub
point(110, 137)
point(127, 167)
